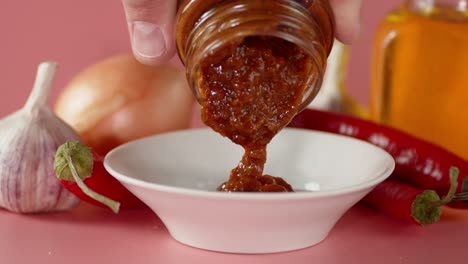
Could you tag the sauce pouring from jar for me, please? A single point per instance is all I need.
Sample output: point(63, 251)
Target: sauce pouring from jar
point(248, 96)
point(253, 65)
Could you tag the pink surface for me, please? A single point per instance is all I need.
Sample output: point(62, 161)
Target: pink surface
point(93, 235)
point(76, 34)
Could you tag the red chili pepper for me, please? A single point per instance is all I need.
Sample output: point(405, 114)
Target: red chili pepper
point(409, 203)
point(418, 162)
point(87, 165)
point(404, 202)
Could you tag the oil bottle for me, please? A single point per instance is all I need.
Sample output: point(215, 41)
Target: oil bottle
point(420, 72)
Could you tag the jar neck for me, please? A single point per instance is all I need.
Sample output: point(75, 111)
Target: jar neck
point(427, 6)
point(231, 22)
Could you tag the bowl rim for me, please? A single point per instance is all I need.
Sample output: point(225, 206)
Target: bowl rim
point(383, 174)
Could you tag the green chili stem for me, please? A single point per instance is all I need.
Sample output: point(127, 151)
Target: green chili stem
point(453, 188)
point(113, 205)
point(460, 197)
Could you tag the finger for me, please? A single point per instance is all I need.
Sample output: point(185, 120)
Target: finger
point(348, 19)
point(151, 28)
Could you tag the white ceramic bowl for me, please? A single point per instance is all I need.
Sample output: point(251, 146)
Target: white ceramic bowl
point(176, 175)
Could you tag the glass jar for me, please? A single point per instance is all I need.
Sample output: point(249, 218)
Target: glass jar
point(206, 26)
point(420, 73)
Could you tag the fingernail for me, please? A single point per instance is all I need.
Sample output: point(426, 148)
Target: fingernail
point(147, 39)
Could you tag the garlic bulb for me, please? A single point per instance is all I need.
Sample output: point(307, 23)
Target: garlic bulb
point(29, 139)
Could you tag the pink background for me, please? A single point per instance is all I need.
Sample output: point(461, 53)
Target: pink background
point(76, 34)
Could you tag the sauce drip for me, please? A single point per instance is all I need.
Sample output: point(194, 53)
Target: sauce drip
point(249, 92)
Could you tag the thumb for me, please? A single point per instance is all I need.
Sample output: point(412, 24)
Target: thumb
point(151, 28)
point(347, 17)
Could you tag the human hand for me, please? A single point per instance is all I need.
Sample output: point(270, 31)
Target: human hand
point(151, 26)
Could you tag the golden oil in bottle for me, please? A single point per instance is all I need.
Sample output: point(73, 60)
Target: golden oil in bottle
point(420, 73)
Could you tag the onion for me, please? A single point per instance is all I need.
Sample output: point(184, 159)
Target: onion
point(118, 100)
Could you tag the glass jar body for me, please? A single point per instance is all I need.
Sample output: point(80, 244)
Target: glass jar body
point(205, 26)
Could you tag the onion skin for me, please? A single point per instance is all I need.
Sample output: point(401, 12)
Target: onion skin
point(118, 100)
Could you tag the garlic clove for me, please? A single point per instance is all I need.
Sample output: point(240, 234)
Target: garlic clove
point(29, 139)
